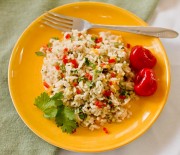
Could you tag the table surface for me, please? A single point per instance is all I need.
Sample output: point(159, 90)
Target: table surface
point(163, 138)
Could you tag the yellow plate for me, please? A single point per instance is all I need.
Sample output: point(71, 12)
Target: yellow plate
point(25, 81)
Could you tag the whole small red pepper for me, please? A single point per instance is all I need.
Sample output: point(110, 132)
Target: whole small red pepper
point(145, 83)
point(141, 57)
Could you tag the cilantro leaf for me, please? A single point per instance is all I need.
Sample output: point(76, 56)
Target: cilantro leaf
point(57, 96)
point(59, 103)
point(53, 108)
point(41, 100)
point(66, 119)
point(39, 53)
point(48, 106)
point(69, 113)
point(50, 113)
point(69, 126)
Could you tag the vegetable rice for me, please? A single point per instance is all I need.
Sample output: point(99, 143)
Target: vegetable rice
point(93, 73)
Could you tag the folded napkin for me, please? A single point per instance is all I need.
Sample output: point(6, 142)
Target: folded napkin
point(16, 15)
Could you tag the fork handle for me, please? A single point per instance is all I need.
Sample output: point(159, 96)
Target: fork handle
point(144, 30)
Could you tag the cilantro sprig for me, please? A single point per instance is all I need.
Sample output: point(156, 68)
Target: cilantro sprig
point(53, 108)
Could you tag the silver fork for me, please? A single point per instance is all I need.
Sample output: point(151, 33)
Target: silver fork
point(67, 23)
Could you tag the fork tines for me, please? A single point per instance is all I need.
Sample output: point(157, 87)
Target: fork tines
point(58, 21)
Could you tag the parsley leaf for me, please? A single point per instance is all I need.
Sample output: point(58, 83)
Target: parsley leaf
point(39, 53)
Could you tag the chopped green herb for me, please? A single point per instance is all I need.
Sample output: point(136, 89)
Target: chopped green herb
point(116, 44)
point(98, 71)
point(124, 92)
point(89, 63)
point(72, 38)
point(93, 38)
point(55, 38)
point(39, 53)
point(75, 71)
point(93, 65)
point(63, 68)
point(81, 78)
point(49, 45)
point(110, 102)
point(82, 115)
point(90, 84)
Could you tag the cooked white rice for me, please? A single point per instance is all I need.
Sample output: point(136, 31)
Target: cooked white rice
point(94, 75)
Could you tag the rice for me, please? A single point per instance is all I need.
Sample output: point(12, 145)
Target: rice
point(94, 75)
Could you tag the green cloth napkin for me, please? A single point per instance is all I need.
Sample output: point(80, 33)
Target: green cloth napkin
point(16, 15)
